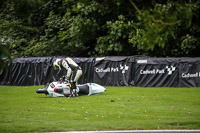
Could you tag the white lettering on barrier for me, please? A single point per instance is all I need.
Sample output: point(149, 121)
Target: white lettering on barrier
point(121, 68)
point(160, 71)
point(112, 69)
point(100, 70)
point(147, 71)
point(154, 71)
point(191, 75)
point(168, 70)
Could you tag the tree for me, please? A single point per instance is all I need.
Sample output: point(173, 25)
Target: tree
point(100, 28)
point(161, 26)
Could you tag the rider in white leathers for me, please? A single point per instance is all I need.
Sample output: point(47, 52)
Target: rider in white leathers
point(73, 70)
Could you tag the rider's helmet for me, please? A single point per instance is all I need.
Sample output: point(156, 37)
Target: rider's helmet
point(57, 64)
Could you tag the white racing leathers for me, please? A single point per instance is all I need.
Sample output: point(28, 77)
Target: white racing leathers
point(71, 67)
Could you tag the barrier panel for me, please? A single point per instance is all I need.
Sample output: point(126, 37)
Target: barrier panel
point(108, 71)
point(113, 71)
point(157, 72)
point(31, 71)
point(189, 72)
point(5, 75)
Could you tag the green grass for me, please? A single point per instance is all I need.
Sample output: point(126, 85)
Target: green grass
point(119, 108)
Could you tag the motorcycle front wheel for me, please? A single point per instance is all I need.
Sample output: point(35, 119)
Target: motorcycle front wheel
point(42, 90)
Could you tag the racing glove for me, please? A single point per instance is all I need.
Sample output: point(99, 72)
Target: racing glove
point(62, 78)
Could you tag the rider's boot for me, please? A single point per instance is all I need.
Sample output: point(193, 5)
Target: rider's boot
point(73, 89)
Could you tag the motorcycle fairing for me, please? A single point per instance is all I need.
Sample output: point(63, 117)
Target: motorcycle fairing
point(64, 89)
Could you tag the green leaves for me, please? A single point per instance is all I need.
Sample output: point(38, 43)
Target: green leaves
point(160, 25)
point(100, 28)
point(188, 43)
point(117, 36)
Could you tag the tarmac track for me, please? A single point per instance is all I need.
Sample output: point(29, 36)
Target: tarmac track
point(135, 131)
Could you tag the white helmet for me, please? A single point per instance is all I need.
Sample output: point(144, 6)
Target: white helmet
point(57, 64)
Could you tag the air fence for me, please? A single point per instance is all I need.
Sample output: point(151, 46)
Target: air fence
point(108, 71)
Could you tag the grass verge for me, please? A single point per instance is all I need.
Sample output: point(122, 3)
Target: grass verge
point(22, 110)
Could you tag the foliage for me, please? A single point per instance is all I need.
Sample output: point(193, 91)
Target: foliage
point(15, 35)
point(100, 28)
point(4, 56)
point(160, 26)
point(190, 41)
point(66, 35)
point(116, 39)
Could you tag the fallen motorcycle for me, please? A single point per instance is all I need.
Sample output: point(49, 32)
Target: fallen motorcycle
point(62, 89)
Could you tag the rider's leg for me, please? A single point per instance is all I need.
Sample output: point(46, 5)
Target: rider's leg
point(75, 78)
point(73, 89)
point(77, 75)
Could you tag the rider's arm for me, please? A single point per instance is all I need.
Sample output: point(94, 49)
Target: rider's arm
point(69, 72)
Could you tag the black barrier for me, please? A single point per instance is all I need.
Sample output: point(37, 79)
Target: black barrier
point(39, 71)
point(113, 71)
point(109, 71)
point(189, 72)
point(5, 75)
point(31, 71)
point(157, 72)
